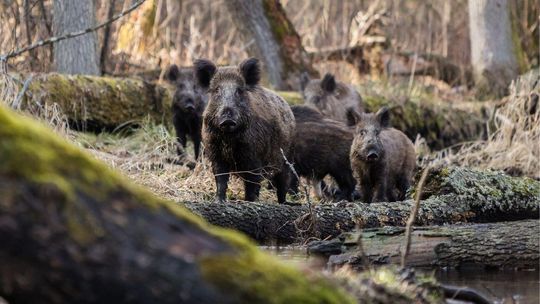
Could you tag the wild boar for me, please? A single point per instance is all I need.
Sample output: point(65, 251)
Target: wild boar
point(332, 98)
point(189, 102)
point(382, 158)
point(322, 147)
point(247, 129)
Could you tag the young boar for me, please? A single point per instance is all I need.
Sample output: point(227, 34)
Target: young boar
point(332, 98)
point(382, 158)
point(188, 104)
point(245, 128)
point(322, 147)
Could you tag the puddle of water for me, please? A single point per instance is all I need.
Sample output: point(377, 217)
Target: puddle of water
point(502, 286)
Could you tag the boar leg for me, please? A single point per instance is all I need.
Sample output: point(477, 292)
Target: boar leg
point(281, 182)
point(367, 191)
point(403, 185)
point(346, 187)
point(252, 186)
point(196, 144)
point(222, 179)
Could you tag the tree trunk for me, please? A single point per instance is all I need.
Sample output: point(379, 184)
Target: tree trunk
point(77, 55)
point(274, 38)
point(493, 53)
point(497, 245)
point(451, 195)
point(104, 102)
point(73, 231)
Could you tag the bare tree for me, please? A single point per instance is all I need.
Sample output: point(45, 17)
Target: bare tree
point(493, 55)
point(275, 41)
point(78, 55)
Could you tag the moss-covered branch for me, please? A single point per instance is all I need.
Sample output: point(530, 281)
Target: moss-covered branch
point(452, 195)
point(504, 245)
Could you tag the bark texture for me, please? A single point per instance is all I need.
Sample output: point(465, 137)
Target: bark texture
point(452, 195)
point(495, 245)
point(275, 40)
point(78, 55)
point(493, 54)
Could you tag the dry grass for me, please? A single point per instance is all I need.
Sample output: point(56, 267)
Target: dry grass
point(513, 144)
point(147, 155)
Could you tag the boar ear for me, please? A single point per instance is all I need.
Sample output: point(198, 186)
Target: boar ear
point(251, 71)
point(383, 116)
point(204, 71)
point(328, 83)
point(172, 73)
point(353, 117)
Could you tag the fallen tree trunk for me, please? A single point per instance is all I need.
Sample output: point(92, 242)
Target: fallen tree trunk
point(497, 245)
point(452, 195)
point(73, 231)
point(91, 102)
point(104, 102)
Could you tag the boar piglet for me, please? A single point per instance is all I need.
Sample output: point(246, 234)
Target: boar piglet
point(322, 147)
point(332, 98)
point(245, 128)
point(188, 105)
point(382, 158)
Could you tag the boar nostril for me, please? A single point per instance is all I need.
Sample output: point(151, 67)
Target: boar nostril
point(372, 155)
point(227, 123)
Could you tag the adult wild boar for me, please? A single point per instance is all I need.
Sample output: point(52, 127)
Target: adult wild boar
point(332, 98)
point(188, 105)
point(382, 158)
point(245, 128)
point(322, 147)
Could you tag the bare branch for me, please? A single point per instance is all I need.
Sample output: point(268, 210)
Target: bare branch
point(71, 35)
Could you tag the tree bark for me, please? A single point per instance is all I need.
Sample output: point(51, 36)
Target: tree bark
point(104, 102)
point(78, 55)
point(451, 195)
point(496, 245)
point(493, 54)
point(275, 40)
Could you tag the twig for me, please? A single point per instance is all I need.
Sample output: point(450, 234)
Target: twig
point(70, 35)
point(412, 217)
point(17, 103)
point(311, 214)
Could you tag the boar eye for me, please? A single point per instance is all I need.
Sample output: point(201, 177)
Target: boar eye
point(239, 91)
point(362, 132)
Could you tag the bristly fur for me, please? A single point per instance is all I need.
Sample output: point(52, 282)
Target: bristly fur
point(244, 129)
point(332, 98)
point(189, 102)
point(322, 147)
point(387, 176)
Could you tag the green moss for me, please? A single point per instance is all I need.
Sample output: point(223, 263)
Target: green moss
point(262, 279)
point(293, 98)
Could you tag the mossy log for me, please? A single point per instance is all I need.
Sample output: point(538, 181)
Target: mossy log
point(494, 245)
point(73, 231)
point(99, 102)
point(452, 195)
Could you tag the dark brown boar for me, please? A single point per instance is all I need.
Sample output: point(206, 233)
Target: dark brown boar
point(322, 147)
point(189, 102)
point(382, 158)
point(332, 98)
point(245, 128)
